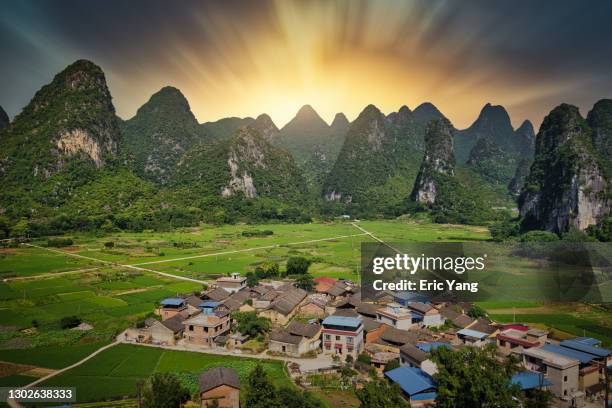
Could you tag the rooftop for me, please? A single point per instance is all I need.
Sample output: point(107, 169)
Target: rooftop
point(580, 345)
point(568, 352)
point(346, 321)
point(529, 380)
point(172, 302)
point(472, 333)
point(550, 358)
point(218, 376)
point(412, 380)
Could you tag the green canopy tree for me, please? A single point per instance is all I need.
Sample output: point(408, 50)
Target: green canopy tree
point(474, 377)
point(381, 394)
point(164, 390)
point(260, 392)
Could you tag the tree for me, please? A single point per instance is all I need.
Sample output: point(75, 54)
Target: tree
point(476, 312)
point(252, 280)
point(537, 399)
point(380, 394)
point(164, 390)
point(298, 265)
point(21, 229)
point(260, 392)
point(392, 365)
point(69, 322)
point(305, 282)
point(294, 398)
point(251, 324)
point(473, 377)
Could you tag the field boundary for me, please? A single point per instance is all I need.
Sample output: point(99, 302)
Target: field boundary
point(137, 268)
point(249, 249)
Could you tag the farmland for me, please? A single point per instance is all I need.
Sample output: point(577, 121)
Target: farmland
point(115, 372)
point(110, 282)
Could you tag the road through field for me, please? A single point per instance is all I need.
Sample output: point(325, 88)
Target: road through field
point(16, 404)
point(312, 241)
point(137, 268)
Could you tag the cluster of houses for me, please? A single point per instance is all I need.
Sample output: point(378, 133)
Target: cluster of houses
point(335, 321)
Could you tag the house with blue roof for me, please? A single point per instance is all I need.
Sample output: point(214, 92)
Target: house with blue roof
point(171, 307)
point(416, 384)
point(208, 306)
point(343, 335)
point(531, 380)
point(590, 373)
point(403, 298)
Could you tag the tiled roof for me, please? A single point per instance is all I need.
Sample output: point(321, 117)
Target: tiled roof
point(303, 329)
point(286, 302)
point(463, 321)
point(175, 323)
point(283, 336)
point(217, 294)
point(413, 352)
point(218, 376)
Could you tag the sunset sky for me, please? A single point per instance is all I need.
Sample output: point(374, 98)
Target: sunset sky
point(242, 58)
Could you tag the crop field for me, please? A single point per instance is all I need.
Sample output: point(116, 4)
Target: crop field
point(115, 372)
point(95, 279)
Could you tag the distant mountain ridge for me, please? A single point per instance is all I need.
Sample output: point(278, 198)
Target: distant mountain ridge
point(160, 132)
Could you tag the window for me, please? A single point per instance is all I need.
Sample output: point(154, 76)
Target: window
point(349, 340)
point(327, 337)
point(191, 327)
point(565, 378)
point(337, 338)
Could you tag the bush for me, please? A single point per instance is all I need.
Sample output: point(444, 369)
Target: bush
point(69, 322)
point(59, 242)
point(539, 236)
point(298, 265)
point(109, 244)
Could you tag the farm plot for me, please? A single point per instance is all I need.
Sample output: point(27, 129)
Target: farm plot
point(114, 373)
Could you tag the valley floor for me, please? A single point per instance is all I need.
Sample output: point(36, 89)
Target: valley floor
point(112, 281)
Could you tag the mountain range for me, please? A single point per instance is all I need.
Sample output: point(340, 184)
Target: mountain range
point(68, 156)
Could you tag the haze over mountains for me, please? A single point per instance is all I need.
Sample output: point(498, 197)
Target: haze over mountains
point(68, 155)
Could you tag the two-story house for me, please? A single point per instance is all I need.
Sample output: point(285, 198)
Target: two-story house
point(342, 335)
point(203, 328)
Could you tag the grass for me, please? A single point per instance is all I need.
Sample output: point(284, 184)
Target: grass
point(50, 357)
point(114, 373)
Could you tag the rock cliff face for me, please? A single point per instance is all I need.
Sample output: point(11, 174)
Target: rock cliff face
point(4, 119)
point(247, 165)
point(518, 180)
point(439, 160)
point(71, 119)
point(266, 127)
point(566, 187)
point(491, 162)
point(600, 121)
point(162, 130)
point(525, 139)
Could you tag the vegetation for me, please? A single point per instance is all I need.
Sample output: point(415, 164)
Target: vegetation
point(164, 390)
point(305, 282)
point(471, 377)
point(251, 324)
point(298, 265)
point(380, 394)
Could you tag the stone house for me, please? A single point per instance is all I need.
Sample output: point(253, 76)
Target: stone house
point(203, 328)
point(296, 339)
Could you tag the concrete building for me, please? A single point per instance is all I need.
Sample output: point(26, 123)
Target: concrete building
point(472, 337)
point(232, 283)
point(395, 315)
point(222, 385)
point(203, 328)
point(425, 314)
point(343, 335)
point(560, 370)
point(515, 341)
point(296, 339)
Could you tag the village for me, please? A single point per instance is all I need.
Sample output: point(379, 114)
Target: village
point(322, 330)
